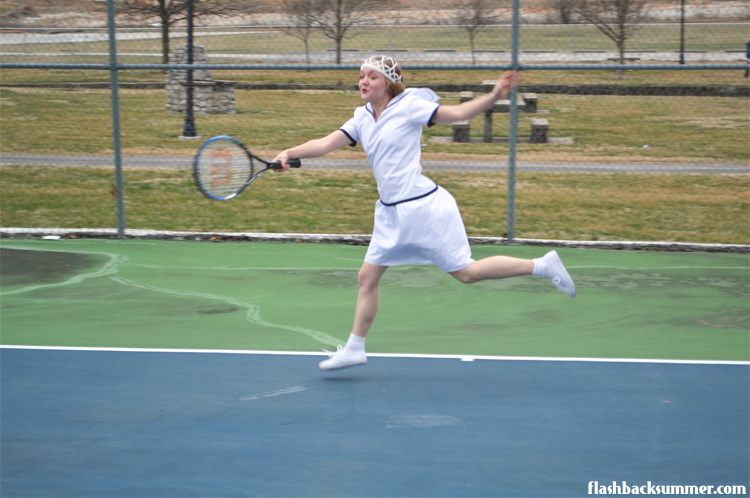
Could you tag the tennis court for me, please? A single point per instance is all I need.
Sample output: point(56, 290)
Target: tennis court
point(163, 368)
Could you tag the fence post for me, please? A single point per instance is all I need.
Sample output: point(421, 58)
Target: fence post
point(116, 137)
point(513, 131)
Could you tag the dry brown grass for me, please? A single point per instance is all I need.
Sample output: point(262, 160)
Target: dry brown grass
point(664, 207)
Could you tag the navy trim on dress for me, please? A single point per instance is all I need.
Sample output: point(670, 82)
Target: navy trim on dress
point(409, 200)
point(395, 100)
point(353, 142)
point(431, 121)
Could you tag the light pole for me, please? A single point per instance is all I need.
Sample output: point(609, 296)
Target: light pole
point(189, 129)
point(682, 33)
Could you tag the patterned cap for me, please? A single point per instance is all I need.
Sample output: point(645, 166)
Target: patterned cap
point(379, 64)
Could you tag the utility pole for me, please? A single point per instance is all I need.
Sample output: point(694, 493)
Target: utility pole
point(682, 33)
point(189, 130)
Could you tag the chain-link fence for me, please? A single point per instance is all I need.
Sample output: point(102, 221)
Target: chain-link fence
point(576, 43)
point(612, 144)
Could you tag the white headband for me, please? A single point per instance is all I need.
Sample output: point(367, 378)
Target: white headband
point(378, 63)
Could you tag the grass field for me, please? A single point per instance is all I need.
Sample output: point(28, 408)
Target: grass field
point(685, 208)
point(412, 78)
point(603, 128)
point(673, 207)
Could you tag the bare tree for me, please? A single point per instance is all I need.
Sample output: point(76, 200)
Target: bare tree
point(335, 17)
point(617, 19)
point(562, 10)
point(171, 12)
point(302, 15)
point(473, 16)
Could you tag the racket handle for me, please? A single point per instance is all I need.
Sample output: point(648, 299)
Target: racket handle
point(293, 163)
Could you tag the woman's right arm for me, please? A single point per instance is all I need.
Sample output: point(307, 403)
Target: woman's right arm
point(314, 148)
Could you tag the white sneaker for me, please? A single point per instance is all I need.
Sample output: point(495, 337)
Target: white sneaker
point(562, 279)
point(343, 359)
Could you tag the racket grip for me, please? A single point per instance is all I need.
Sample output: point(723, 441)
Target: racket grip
point(293, 163)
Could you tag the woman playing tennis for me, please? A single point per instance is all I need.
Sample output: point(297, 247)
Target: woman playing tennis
point(416, 221)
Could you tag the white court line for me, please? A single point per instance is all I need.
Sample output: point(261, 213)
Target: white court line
point(246, 268)
point(660, 267)
point(381, 355)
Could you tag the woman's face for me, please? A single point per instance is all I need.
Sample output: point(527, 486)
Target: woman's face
point(372, 85)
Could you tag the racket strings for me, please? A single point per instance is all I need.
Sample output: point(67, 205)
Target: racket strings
point(223, 168)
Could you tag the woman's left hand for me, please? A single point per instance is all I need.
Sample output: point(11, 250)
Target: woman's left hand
point(507, 81)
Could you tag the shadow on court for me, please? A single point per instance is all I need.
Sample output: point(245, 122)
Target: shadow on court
point(101, 420)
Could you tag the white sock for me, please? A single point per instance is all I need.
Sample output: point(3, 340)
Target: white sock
point(543, 269)
point(355, 343)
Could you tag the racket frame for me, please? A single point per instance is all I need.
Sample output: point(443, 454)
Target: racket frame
point(294, 163)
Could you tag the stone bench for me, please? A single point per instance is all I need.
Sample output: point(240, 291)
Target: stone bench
point(465, 96)
point(539, 131)
point(527, 103)
point(501, 106)
point(461, 132)
point(529, 99)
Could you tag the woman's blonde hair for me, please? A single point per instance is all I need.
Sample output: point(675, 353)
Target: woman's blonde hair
point(395, 88)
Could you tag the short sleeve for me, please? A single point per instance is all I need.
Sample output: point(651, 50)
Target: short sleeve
point(421, 110)
point(351, 128)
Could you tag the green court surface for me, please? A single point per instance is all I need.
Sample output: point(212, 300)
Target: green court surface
point(301, 297)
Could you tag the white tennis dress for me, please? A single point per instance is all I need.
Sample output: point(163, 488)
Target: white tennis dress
point(416, 221)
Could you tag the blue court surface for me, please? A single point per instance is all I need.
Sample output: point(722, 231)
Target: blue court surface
point(101, 423)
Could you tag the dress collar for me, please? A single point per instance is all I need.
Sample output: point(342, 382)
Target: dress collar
point(395, 100)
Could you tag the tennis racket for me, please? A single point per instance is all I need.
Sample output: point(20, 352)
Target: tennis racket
point(223, 168)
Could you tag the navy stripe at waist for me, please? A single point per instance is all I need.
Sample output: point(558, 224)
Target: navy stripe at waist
point(410, 199)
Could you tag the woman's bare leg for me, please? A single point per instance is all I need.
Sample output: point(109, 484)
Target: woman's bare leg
point(497, 267)
point(353, 353)
point(493, 268)
point(368, 298)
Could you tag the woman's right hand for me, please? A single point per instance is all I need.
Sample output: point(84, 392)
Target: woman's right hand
point(283, 158)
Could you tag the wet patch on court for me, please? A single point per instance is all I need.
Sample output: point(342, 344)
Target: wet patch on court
point(339, 279)
point(215, 310)
point(409, 277)
point(19, 267)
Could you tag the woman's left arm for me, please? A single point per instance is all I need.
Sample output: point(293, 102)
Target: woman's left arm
point(467, 110)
